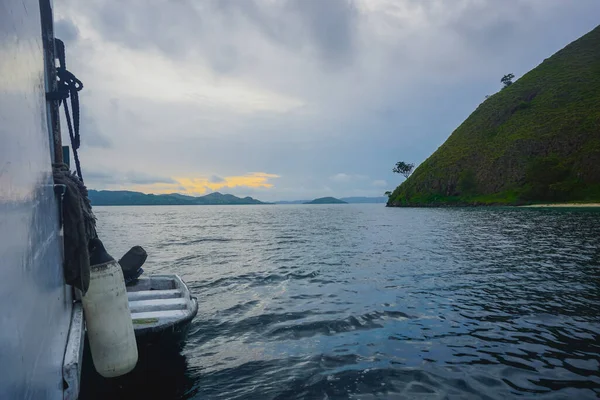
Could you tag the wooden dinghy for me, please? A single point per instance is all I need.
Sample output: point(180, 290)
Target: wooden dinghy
point(162, 310)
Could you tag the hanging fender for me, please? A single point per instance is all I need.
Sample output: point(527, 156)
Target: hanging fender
point(108, 319)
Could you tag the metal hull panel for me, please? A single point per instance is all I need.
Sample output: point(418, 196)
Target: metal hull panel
point(35, 304)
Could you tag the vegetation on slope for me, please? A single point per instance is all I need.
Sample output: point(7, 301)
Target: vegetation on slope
point(537, 140)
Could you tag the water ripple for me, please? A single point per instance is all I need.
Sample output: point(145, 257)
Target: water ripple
point(365, 302)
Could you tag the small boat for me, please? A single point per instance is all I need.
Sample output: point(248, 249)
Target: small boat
point(162, 309)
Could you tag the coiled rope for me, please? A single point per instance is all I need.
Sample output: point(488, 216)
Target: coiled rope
point(78, 220)
point(68, 87)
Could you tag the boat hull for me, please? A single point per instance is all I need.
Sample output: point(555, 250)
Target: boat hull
point(172, 336)
point(36, 306)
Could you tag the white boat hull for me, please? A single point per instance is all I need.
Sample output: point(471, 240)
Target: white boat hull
point(162, 309)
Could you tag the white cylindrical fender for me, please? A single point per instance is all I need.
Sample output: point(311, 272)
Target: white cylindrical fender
point(108, 319)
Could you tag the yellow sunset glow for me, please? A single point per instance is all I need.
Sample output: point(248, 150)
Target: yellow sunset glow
point(201, 185)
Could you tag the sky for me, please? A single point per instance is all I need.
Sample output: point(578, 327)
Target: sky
point(290, 99)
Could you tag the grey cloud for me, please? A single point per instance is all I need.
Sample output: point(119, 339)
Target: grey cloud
point(216, 179)
point(90, 134)
point(66, 30)
point(347, 178)
point(175, 28)
point(139, 178)
point(99, 176)
point(489, 28)
point(105, 178)
point(115, 104)
point(184, 27)
point(332, 25)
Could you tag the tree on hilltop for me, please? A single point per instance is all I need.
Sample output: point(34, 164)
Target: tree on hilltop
point(404, 168)
point(507, 80)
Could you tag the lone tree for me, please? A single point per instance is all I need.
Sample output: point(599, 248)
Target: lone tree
point(403, 168)
point(507, 80)
point(388, 193)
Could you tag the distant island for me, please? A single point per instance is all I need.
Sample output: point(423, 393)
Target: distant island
point(351, 200)
point(128, 198)
point(326, 200)
point(365, 200)
point(292, 201)
point(535, 141)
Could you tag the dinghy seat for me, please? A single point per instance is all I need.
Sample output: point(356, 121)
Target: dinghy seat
point(160, 303)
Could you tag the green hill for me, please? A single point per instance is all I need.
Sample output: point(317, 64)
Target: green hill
point(127, 198)
point(326, 200)
point(537, 140)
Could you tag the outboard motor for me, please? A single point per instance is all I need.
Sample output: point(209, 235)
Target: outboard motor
point(131, 264)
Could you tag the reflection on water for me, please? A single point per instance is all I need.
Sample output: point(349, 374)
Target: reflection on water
point(366, 302)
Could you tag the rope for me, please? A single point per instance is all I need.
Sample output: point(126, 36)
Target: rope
point(79, 226)
point(79, 222)
point(68, 86)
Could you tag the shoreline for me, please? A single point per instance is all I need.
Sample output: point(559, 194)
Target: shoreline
point(558, 205)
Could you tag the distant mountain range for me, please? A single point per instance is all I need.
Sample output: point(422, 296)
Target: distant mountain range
point(128, 198)
point(351, 200)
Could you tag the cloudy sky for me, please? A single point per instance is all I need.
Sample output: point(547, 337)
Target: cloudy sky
point(291, 99)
